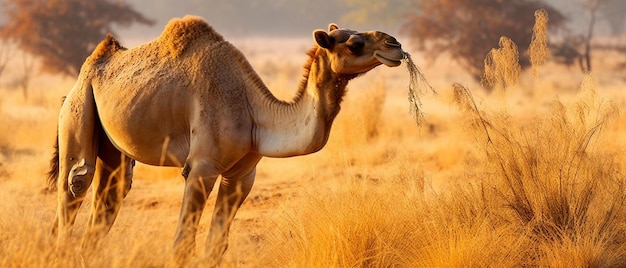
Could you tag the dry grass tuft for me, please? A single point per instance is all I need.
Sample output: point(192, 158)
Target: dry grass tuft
point(351, 224)
point(556, 178)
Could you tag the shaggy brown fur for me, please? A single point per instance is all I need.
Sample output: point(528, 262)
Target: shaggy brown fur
point(104, 50)
point(181, 33)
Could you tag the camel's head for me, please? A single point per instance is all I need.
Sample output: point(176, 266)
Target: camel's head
point(351, 52)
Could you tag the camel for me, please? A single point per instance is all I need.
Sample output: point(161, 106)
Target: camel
point(190, 99)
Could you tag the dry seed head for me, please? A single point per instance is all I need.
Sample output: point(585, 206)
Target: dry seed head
point(588, 85)
point(461, 99)
point(464, 100)
point(502, 68)
point(587, 105)
point(538, 49)
point(588, 91)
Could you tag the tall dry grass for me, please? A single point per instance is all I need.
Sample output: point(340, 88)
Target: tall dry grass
point(557, 178)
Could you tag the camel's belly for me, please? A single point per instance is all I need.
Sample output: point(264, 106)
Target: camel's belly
point(159, 150)
point(154, 148)
point(149, 130)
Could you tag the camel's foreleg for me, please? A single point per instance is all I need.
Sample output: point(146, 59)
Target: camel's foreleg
point(200, 177)
point(233, 190)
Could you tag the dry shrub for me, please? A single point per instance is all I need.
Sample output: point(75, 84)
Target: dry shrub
point(502, 68)
point(556, 177)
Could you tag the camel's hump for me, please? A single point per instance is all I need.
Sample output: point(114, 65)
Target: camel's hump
point(105, 49)
point(180, 33)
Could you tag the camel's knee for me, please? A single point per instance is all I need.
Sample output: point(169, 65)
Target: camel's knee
point(186, 170)
point(200, 176)
point(80, 178)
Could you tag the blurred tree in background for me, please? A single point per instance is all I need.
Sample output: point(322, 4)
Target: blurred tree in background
point(62, 33)
point(610, 10)
point(468, 30)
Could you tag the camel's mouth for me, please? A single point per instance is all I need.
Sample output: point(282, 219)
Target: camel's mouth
point(392, 59)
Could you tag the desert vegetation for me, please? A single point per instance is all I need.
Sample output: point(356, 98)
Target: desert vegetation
point(529, 174)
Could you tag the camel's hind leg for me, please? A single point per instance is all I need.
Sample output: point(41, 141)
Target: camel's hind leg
point(78, 146)
point(113, 179)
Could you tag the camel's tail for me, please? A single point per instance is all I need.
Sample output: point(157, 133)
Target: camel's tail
point(53, 174)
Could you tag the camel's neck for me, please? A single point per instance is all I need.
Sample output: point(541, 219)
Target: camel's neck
point(284, 129)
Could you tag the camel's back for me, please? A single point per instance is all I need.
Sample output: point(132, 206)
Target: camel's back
point(188, 56)
point(180, 34)
point(179, 37)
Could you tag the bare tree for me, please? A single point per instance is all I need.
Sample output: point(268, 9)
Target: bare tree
point(592, 7)
point(578, 47)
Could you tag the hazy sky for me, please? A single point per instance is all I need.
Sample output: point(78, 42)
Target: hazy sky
point(236, 18)
point(239, 17)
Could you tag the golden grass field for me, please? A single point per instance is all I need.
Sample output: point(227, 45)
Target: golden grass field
point(534, 175)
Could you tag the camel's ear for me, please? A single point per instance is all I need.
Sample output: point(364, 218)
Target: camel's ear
point(332, 27)
point(323, 39)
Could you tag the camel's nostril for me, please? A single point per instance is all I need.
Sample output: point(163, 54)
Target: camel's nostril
point(393, 43)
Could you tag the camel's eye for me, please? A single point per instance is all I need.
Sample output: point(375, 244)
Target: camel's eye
point(355, 47)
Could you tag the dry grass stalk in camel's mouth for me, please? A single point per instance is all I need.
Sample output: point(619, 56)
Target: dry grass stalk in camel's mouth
point(417, 85)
